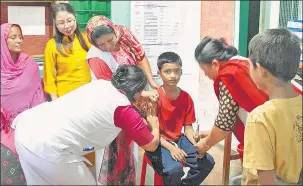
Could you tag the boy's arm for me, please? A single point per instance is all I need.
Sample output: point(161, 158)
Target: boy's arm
point(267, 177)
point(190, 118)
point(189, 133)
point(166, 144)
point(176, 153)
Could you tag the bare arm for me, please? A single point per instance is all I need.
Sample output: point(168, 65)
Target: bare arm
point(189, 133)
point(145, 66)
point(215, 136)
point(267, 177)
point(204, 134)
point(166, 144)
point(222, 127)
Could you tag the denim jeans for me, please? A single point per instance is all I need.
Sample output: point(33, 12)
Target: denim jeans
point(172, 171)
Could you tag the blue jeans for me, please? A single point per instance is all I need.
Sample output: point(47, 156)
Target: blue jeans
point(172, 171)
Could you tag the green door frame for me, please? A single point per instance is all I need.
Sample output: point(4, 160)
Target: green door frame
point(249, 24)
point(243, 27)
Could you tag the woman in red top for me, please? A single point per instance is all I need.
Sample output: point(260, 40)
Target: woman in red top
point(114, 45)
point(233, 86)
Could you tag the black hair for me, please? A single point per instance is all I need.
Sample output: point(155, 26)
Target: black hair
point(278, 51)
point(168, 57)
point(130, 79)
point(210, 48)
point(59, 36)
point(99, 31)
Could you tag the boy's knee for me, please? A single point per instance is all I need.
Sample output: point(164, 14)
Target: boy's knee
point(175, 170)
point(210, 159)
point(206, 163)
point(173, 175)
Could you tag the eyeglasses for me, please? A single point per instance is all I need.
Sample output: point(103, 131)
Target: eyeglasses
point(69, 22)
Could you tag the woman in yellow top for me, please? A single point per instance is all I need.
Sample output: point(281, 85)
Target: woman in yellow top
point(65, 67)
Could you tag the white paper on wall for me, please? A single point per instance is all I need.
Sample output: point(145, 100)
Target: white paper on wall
point(30, 18)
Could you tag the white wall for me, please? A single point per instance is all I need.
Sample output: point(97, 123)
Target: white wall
point(236, 25)
point(120, 12)
point(274, 13)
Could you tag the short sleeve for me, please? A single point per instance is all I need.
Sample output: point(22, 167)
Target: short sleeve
point(100, 68)
point(49, 68)
point(258, 150)
point(190, 117)
point(228, 109)
point(129, 120)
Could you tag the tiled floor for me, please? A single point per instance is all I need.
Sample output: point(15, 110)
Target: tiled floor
point(215, 177)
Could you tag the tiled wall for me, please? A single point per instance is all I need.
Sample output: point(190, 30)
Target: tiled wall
point(217, 20)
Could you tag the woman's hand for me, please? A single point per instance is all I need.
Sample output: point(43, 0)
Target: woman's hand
point(178, 154)
point(154, 84)
point(151, 95)
point(152, 122)
point(201, 148)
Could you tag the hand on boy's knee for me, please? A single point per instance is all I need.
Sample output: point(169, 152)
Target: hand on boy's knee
point(175, 171)
point(178, 154)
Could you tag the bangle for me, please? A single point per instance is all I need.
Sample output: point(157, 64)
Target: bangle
point(204, 143)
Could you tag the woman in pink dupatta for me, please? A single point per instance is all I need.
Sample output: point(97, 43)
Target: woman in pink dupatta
point(114, 45)
point(21, 89)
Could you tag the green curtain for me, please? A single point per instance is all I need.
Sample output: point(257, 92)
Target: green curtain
point(86, 9)
point(289, 10)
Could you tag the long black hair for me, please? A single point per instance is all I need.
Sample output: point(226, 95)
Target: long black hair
point(59, 36)
point(210, 48)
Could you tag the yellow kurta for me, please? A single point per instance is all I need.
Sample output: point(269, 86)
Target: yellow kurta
point(63, 74)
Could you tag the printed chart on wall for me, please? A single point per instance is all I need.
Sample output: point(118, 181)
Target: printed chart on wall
point(167, 26)
point(163, 26)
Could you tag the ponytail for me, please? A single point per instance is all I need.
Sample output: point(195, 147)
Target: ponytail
point(210, 49)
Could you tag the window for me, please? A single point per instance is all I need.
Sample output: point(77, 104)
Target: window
point(289, 10)
point(84, 10)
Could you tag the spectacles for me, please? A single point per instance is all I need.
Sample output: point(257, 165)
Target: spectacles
point(68, 22)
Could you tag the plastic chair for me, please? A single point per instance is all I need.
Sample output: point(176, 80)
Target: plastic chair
point(297, 87)
point(157, 178)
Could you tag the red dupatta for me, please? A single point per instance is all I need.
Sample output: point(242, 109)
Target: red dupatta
point(235, 76)
point(131, 51)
